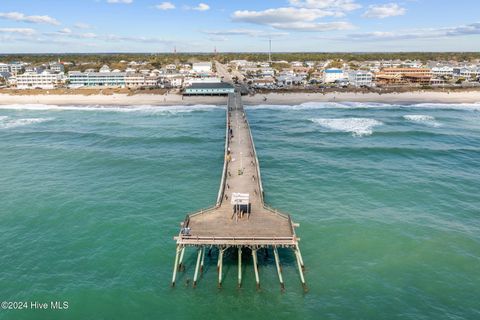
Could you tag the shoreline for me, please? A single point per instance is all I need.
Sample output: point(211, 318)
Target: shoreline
point(258, 99)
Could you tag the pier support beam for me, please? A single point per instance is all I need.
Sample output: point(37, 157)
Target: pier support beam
point(279, 268)
point(181, 267)
point(220, 265)
point(300, 270)
point(239, 267)
point(203, 260)
point(301, 259)
point(255, 267)
point(175, 266)
point(197, 266)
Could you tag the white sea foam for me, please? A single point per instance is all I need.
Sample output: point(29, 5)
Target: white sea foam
point(368, 105)
point(7, 123)
point(103, 108)
point(421, 118)
point(357, 126)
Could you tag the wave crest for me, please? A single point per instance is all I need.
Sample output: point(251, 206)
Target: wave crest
point(422, 118)
point(7, 123)
point(103, 108)
point(357, 126)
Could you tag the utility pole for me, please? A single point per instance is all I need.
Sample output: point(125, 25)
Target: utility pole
point(270, 50)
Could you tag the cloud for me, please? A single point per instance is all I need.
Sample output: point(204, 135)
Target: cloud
point(81, 25)
point(281, 15)
point(341, 5)
point(301, 15)
point(21, 17)
point(292, 18)
point(22, 31)
point(246, 32)
point(384, 11)
point(65, 31)
point(120, 1)
point(314, 26)
point(431, 33)
point(165, 6)
point(200, 7)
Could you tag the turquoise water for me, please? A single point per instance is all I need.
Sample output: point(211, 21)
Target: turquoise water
point(387, 198)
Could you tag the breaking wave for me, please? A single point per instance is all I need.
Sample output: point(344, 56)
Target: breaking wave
point(357, 126)
point(421, 118)
point(7, 123)
point(103, 108)
point(367, 105)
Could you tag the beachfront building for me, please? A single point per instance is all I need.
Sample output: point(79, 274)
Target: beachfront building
point(202, 67)
point(138, 80)
point(360, 78)
point(389, 76)
point(96, 79)
point(34, 80)
point(333, 75)
point(215, 88)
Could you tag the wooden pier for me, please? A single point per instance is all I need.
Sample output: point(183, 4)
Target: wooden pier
point(240, 220)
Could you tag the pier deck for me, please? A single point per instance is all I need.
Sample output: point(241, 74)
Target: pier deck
point(220, 226)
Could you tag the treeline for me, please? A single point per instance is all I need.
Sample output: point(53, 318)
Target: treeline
point(160, 59)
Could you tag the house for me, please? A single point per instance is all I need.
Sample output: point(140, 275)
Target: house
point(267, 82)
point(332, 75)
point(444, 71)
point(202, 67)
point(57, 67)
point(105, 68)
point(4, 67)
point(360, 78)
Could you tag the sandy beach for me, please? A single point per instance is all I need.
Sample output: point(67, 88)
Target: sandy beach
point(272, 98)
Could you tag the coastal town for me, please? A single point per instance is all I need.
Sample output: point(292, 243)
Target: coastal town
point(214, 77)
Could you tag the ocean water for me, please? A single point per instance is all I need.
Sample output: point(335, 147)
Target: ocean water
point(387, 197)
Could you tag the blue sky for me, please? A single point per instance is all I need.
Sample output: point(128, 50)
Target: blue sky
point(34, 26)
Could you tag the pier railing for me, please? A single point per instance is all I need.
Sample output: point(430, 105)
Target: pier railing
point(225, 162)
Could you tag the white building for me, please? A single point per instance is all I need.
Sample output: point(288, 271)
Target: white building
point(332, 75)
point(96, 79)
point(465, 72)
point(33, 80)
point(105, 68)
point(16, 67)
point(190, 81)
point(57, 67)
point(4, 67)
point(442, 71)
point(137, 80)
point(202, 67)
point(360, 78)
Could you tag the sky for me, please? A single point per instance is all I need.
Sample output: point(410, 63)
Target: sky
point(64, 26)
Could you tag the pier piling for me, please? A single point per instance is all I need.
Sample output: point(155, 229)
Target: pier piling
point(197, 266)
point(279, 270)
